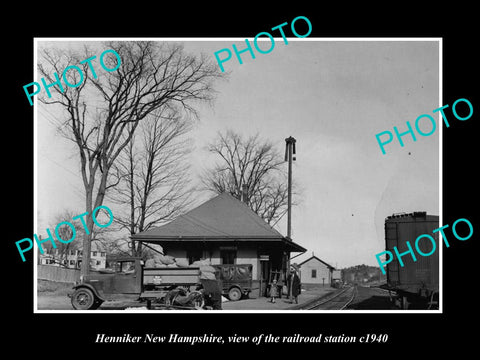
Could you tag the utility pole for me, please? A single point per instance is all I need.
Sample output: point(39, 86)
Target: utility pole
point(289, 156)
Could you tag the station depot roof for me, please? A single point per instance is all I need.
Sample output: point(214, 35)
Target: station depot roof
point(222, 218)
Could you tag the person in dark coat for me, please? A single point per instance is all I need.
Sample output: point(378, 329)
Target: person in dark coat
point(213, 293)
point(293, 283)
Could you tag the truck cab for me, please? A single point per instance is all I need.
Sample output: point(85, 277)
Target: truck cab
point(124, 276)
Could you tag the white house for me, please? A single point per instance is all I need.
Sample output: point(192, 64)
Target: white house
point(73, 257)
point(315, 271)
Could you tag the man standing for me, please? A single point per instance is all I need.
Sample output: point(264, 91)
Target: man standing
point(293, 283)
point(213, 293)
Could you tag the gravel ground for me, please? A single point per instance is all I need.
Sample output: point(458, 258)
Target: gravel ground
point(371, 299)
point(52, 301)
point(62, 302)
point(54, 296)
point(263, 303)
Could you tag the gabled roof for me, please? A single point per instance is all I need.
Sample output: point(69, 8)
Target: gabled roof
point(314, 257)
point(220, 217)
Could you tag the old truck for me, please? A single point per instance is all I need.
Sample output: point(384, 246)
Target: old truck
point(171, 287)
point(235, 280)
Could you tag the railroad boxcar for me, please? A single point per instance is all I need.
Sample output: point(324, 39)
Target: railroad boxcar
point(416, 284)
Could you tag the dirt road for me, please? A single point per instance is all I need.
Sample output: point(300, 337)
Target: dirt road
point(53, 302)
point(62, 302)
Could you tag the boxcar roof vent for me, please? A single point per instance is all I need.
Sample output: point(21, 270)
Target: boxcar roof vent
point(403, 214)
point(420, 214)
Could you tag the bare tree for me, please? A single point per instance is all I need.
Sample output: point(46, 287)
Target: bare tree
point(153, 174)
point(101, 114)
point(114, 246)
point(255, 164)
point(65, 232)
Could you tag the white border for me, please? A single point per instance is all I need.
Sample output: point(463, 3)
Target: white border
point(151, 312)
point(35, 179)
point(440, 171)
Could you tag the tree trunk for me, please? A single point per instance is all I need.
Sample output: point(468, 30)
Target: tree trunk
point(132, 197)
point(87, 238)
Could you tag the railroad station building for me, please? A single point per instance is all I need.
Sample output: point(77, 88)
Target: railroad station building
point(315, 271)
point(224, 230)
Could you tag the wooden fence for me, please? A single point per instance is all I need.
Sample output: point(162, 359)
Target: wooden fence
point(56, 273)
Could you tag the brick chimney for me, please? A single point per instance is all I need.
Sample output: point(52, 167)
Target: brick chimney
point(245, 193)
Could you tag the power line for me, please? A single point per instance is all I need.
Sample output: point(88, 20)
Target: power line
point(52, 119)
point(75, 188)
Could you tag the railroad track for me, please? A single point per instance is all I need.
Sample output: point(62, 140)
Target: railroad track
point(339, 300)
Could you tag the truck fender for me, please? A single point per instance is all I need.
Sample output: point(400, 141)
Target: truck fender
point(88, 286)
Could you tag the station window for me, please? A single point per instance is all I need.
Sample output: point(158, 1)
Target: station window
point(194, 255)
point(228, 256)
point(314, 273)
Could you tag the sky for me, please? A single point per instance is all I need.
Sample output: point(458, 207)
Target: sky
point(333, 97)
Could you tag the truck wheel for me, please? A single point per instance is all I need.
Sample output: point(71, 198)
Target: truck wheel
point(83, 299)
point(234, 294)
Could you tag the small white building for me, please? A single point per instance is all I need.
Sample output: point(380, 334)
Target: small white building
point(315, 271)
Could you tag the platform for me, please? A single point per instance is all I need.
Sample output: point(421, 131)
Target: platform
point(263, 303)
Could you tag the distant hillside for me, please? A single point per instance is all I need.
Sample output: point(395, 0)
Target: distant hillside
point(363, 274)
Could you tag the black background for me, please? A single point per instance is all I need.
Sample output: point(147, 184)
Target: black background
point(409, 334)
